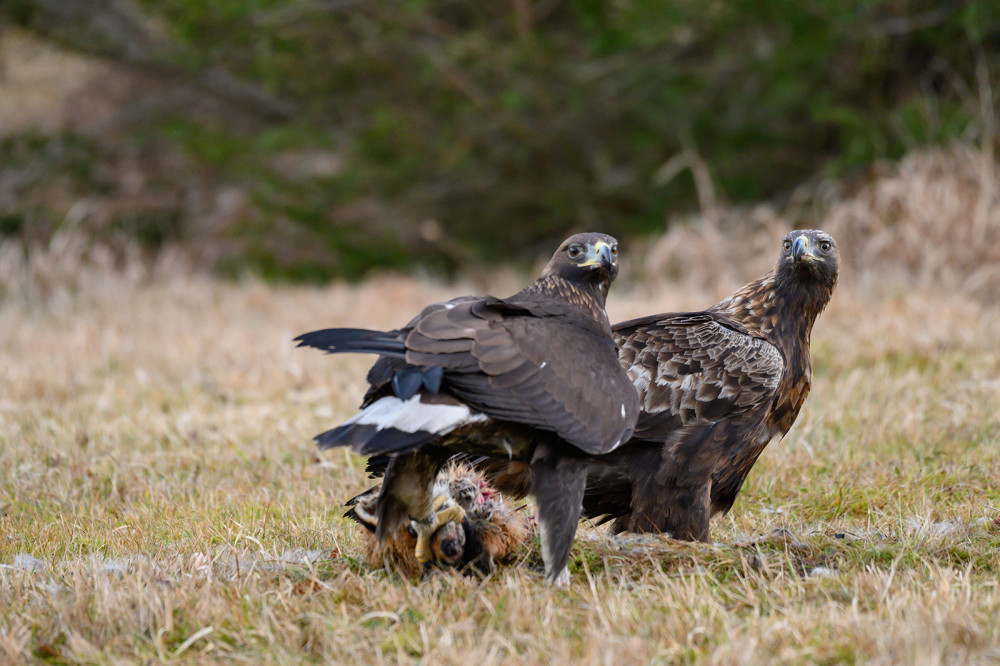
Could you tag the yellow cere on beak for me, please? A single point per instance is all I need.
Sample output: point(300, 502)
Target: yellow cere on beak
point(801, 249)
point(598, 254)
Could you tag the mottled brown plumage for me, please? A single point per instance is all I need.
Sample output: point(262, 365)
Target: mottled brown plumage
point(533, 377)
point(715, 388)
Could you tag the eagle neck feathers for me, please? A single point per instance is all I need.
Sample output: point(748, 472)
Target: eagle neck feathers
point(588, 298)
point(780, 307)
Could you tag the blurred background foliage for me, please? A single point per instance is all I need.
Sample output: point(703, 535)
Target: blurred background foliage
point(310, 139)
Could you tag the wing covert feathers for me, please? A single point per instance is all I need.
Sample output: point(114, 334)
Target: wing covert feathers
point(505, 361)
point(692, 368)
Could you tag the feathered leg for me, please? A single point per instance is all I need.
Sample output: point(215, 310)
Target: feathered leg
point(559, 482)
point(680, 513)
point(407, 494)
point(671, 491)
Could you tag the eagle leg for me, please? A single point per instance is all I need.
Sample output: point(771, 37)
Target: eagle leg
point(682, 513)
point(559, 483)
point(693, 524)
point(407, 497)
point(425, 528)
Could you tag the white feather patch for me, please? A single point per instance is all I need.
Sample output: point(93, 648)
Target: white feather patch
point(365, 510)
point(412, 415)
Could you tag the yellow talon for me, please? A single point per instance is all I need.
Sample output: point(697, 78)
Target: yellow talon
point(455, 513)
point(423, 549)
point(426, 531)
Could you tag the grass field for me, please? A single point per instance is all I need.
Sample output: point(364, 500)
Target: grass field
point(160, 497)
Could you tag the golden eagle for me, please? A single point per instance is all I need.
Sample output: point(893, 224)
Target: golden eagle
point(715, 387)
point(484, 532)
point(533, 377)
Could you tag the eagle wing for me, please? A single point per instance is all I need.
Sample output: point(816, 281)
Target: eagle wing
point(696, 375)
point(385, 368)
point(541, 368)
point(695, 367)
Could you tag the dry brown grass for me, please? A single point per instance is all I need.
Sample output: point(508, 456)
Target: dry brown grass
point(930, 222)
point(155, 431)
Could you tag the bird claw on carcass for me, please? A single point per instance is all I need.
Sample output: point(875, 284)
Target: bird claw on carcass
point(455, 513)
point(425, 529)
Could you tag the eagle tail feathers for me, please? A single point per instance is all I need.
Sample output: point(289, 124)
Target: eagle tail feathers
point(369, 440)
point(354, 340)
point(392, 425)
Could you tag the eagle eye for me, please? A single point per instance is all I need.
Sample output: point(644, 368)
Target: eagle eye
point(575, 251)
point(614, 250)
point(825, 246)
point(787, 245)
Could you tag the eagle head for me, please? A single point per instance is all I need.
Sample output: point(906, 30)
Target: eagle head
point(810, 255)
point(586, 259)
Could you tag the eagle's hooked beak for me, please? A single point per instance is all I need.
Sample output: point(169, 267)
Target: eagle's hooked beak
point(801, 249)
point(599, 254)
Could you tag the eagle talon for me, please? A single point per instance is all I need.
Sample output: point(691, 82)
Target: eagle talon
point(455, 513)
point(425, 528)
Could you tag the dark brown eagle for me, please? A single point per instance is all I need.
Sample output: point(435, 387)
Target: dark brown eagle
point(715, 388)
point(533, 377)
point(484, 532)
